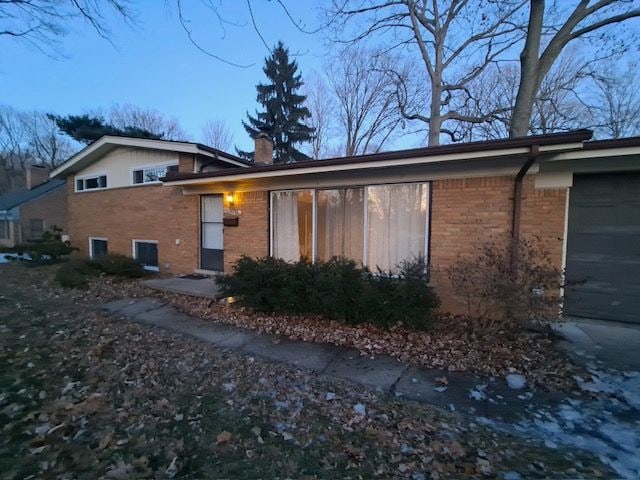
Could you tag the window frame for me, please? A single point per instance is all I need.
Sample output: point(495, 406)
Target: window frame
point(137, 168)
point(150, 268)
point(91, 176)
point(365, 187)
point(91, 239)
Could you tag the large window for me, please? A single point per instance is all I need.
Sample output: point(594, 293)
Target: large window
point(146, 252)
point(91, 183)
point(378, 225)
point(292, 224)
point(153, 174)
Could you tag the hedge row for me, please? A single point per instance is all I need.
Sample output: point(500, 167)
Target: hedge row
point(338, 289)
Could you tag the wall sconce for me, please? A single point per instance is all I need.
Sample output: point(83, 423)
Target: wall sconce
point(231, 214)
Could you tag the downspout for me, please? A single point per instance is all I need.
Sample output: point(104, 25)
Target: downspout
point(517, 193)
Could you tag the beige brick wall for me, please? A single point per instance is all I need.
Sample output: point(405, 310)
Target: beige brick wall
point(51, 207)
point(251, 236)
point(152, 212)
point(466, 213)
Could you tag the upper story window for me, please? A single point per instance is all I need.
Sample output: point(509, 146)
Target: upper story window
point(91, 183)
point(153, 174)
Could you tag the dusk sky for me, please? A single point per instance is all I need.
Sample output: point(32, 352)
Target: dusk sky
point(153, 64)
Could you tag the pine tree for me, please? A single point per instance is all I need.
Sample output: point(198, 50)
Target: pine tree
point(284, 111)
point(88, 129)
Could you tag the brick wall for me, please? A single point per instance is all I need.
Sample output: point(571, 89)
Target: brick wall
point(152, 212)
point(51, 207)
point(251, 236)
point(543, 216)
point(465, 213)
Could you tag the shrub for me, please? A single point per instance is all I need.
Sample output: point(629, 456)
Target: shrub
point(47, 250)
point(507, 284)
point(336, 289)
point(76, 273)
point(119, 265)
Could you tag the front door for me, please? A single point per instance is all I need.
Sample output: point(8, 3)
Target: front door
point(211, 228)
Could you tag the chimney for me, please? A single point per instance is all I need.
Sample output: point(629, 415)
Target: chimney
point(263, 149)
point(36, 175)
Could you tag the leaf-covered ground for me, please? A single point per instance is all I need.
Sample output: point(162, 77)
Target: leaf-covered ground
point(84, 395)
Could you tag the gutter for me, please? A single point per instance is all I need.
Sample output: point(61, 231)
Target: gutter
point(534, 151)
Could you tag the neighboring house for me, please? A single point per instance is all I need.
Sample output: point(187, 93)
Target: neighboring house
point(27, 213)
point(582, 198)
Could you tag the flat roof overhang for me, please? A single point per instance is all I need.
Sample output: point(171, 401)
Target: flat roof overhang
point(321, 173)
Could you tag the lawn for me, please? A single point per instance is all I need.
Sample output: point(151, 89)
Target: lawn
point(86, 395)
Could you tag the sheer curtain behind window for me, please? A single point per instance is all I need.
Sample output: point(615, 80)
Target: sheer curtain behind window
point(340, 223)
point(397, 216)
point(292, 224)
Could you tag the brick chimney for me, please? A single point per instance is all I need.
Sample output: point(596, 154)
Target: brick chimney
point(36, 175)
point(263, 149)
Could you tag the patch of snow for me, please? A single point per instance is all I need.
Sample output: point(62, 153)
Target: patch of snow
point(360, 409)
point(606, 426)
point(516, 381)
point(478, 393)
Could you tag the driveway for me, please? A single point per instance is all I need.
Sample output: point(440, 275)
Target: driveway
point(611, 345)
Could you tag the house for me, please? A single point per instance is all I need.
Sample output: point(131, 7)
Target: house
point(27, 213)
point(184, 208)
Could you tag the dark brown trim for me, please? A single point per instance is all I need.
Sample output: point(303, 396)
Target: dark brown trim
point(552, 139)
point(612, 143)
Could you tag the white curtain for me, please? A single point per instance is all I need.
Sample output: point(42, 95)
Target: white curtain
point(286, 240)
point(340, 223)
point(397, 217)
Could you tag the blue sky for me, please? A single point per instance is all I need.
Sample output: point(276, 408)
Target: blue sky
point(154, 65)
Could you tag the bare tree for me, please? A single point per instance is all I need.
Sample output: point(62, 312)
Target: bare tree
point(43, 23)
point(321, 103)
point(618, 105)
point(548, 33)
point(14, 153)
point(365, 94)
point(455, 41)
point(216, 133)
point(560, 104)
point(46, 144)
point(29, 138)
point(149, 119)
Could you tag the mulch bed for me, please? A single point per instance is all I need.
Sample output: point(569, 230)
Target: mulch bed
point(449, 345)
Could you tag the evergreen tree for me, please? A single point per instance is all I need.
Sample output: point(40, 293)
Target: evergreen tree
point(87, 129)
point(284, 111)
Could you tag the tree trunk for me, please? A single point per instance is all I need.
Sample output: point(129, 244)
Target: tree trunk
point(529, 72)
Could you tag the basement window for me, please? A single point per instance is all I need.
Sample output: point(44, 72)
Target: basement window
point(146, 253)
point(98, 247)
point(91, 183)
point(153, 174)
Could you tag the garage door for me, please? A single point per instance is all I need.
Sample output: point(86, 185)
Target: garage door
point(603, 247)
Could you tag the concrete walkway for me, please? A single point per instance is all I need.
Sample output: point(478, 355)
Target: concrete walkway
point(464, 393)
point(205, 287)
